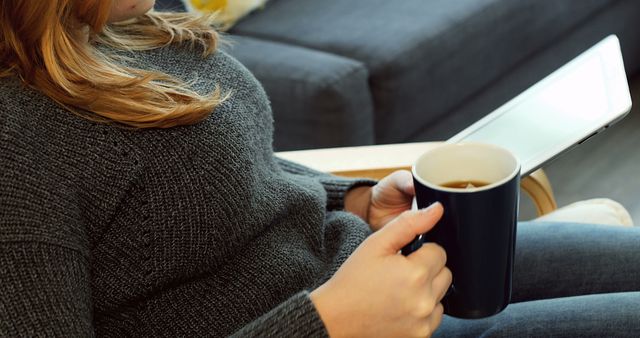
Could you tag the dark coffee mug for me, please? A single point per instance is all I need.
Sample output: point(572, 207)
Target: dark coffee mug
point(478, 186)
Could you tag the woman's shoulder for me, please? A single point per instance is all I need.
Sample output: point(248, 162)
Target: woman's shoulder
point(46, 140)
point(20, 104)
point(188, 63)
point(14, 91)
point(22, 107)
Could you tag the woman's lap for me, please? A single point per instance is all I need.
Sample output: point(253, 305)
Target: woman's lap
point(600, 315)
point(559, 269)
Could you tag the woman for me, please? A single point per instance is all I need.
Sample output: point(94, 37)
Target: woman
point(140, 196)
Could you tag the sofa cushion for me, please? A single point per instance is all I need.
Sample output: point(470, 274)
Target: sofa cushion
point(424, 57)
point(619, 19)
point(318, 99)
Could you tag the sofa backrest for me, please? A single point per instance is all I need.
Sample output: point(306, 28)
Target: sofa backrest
point(174, 5)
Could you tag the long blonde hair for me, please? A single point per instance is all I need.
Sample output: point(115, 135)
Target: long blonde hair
point(44, 43)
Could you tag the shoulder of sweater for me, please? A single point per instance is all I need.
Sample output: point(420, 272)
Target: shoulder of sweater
point(57, 169)
point(187, 62)
point(30, 121)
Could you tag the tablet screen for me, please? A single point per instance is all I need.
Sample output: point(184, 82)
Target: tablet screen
point(551, 116)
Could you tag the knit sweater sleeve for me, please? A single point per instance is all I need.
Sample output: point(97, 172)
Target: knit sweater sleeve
point(44, 273)
point(44, 255)
point(296, 317)
point(335, 186)
point(45, 291)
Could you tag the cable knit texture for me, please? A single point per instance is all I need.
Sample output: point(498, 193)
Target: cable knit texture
point(188, 231)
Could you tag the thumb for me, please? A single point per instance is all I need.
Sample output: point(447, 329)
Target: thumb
point(408, 187)
point(403, 181)
point(402, 230)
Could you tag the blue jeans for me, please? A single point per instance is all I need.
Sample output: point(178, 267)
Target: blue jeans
point(570, 280)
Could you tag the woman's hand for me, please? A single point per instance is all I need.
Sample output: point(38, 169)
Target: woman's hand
point(383, 202)
point(378, 292)
point(389, 198)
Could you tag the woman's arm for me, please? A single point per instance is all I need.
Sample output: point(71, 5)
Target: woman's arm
point(358, 200)
point(404, 300)
point(296, 317)
point(377, 203)
point(45, 289)
point(336, 187)
point(44, 251)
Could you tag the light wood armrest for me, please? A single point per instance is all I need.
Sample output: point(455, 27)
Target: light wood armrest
point(538, 187)
point(380, 160)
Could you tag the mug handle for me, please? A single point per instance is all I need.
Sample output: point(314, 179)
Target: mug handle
point(413, 246)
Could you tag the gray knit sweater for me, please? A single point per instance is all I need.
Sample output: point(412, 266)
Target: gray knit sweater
point(189, 231)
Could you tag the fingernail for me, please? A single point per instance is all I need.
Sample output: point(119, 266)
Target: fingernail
point(431, 207)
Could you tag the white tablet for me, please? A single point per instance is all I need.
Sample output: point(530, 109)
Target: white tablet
point(577, 101)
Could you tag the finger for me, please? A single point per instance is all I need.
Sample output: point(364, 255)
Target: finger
point(441, 283)
point(431, 256)
point(435, 319)
point(404, 228)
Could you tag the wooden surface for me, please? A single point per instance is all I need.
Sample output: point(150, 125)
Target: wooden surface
point(379, 161)
point(385, 156)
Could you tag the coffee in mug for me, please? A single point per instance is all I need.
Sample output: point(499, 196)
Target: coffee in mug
point(466, 184)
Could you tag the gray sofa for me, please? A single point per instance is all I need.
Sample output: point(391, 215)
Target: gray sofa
point(354, 72)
